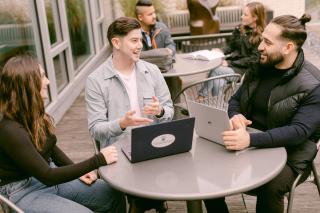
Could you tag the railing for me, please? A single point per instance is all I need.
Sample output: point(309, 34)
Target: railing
point(185, 44)
point(179, 21)
point(16, 34)
point(229, 17)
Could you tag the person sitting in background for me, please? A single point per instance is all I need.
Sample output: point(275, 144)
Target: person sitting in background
point(34, 173)
point(125, 92)
point(241, 52)
point(154, 34)
point(282, 99)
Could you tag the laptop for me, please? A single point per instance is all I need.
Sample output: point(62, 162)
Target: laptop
point(159, 140)
point(210, 122)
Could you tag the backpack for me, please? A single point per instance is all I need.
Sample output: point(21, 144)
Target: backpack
point(160, 57)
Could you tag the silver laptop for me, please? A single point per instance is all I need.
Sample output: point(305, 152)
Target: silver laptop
point(210, 122)
point(159, 140)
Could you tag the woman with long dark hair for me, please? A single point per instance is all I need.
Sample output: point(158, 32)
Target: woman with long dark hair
point(34, 173)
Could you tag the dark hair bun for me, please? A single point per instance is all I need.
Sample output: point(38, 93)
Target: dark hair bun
point(305, 18)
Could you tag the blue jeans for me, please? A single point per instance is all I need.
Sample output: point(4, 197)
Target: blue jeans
point(75, 196)
point(215, 85)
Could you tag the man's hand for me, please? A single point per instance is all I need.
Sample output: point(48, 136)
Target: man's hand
point(224, 63)
point(170, 51)
point(153, 108)
point(110, 154)
point(131, 120)
point(239, 121)
point(236, 139)
point(89, 178)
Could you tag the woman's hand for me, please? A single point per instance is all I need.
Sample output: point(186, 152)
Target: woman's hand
point(89, 178)
point(224, 63)
point(110, 154)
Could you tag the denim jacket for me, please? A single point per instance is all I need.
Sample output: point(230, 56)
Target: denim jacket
point(108, 101)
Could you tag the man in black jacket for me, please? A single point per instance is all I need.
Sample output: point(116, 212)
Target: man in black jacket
point(282, 99)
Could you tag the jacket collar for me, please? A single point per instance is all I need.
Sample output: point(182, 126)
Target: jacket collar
point(295, 69)
point(110, 72)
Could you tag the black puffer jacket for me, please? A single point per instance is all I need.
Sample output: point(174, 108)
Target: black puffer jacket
point(241, 54)
point(285, 99)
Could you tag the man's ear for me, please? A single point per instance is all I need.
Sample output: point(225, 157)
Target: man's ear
point(116, 42)
point(139, 17)
point(290, 46)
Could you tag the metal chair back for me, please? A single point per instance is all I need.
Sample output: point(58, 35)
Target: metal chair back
point(299, 179)
point(8, 206)
point(227, 84)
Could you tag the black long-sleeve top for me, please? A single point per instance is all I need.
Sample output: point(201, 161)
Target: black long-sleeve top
point(241, 53)
point(302, 125)
point(19, 159)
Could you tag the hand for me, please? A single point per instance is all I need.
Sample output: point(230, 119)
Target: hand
point(239, 121)
point(170, 50)
point(89, 178)
point(153, 108)
point(236, 139)
point(131, 120)
point(110, 154)
point(224, 63)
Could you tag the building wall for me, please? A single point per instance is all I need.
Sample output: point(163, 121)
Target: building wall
point(284, 7)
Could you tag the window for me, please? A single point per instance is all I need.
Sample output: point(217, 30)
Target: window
point(16, 32)
point(59, 63)
point(77, 16)
point(53, 21)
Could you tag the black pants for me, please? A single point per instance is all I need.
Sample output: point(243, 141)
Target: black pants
point(143, 204)
point(269, 196)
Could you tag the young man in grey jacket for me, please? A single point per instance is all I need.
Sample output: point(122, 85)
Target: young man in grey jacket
point(154, 34)
point(125, 91)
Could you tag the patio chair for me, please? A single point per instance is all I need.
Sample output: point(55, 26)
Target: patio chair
point(228, 84)
point(8, 206)
point(299, 179)
point(96, 145)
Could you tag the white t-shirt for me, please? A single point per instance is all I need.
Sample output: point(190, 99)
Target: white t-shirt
point(130, 82)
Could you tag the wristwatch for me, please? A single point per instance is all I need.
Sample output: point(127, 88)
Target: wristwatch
point(161, 113)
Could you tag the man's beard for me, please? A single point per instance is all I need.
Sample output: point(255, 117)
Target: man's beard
point(152, 25)
point(273, 59)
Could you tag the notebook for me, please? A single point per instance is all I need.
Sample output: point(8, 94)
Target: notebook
point(159, 140)
point(206, 55)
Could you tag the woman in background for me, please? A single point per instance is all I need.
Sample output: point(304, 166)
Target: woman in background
point(35, 174)
point(242, 50)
